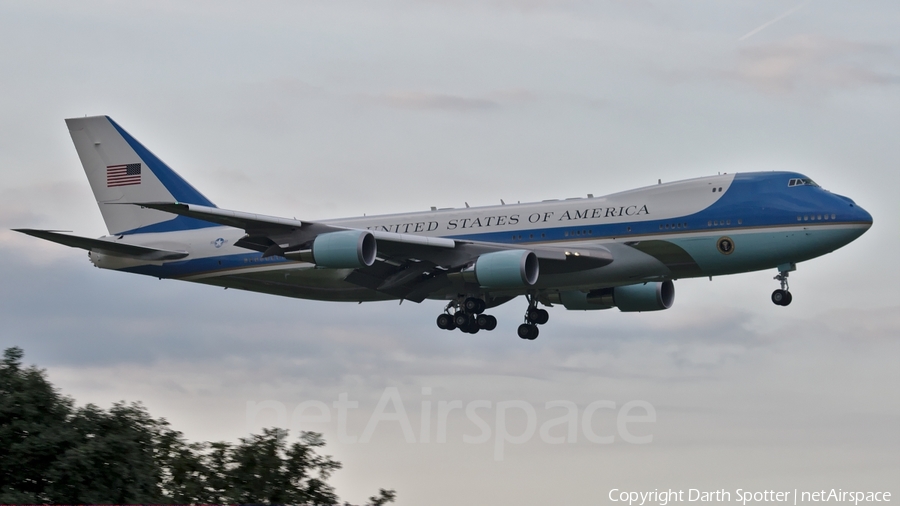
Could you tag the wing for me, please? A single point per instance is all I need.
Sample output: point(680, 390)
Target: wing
point(406, 265)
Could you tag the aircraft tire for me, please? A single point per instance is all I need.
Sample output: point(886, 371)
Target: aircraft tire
point(445, 322)
point(527, 331)
point(781, 297)
point(474, 305)
point(487, 322)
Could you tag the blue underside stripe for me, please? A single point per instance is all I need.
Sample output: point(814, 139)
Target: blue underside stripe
point(200, 265)
point(184, 268)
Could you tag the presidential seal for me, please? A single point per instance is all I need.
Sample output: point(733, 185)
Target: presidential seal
point(725, 245)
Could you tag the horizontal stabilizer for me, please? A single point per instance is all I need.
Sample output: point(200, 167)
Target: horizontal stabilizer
point(106, 247)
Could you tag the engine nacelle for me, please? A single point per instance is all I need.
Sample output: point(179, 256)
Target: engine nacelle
point(581, 301)
point(348, 249)
point(507, 269)
point(651, 296)
point(644, 297)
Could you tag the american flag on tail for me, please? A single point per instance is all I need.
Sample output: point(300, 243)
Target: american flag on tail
point(123, 175)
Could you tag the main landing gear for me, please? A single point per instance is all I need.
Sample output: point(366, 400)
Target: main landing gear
point(533, 318)
point(467, 316)
point(782, 296)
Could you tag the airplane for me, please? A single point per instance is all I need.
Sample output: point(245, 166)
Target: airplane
point(622, 250)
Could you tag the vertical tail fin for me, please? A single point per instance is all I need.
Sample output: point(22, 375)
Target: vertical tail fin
point(122, 171)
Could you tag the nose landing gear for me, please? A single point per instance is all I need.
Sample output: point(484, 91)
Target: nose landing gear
point(782, 296)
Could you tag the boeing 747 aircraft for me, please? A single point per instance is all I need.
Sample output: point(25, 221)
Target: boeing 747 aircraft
point(622, 250)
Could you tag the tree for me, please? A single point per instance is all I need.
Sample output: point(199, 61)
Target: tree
point(33, 430)
point(108, 457)
point(53, 452)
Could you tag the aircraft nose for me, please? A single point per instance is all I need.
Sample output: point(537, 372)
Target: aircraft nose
point(855, 213)
point(860, 218)
point(863, 216)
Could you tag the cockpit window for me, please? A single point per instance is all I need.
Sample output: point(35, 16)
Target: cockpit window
point(802, 181)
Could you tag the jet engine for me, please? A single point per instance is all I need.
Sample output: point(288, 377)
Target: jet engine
point(650, 296)
point(506, 269)
point(348, 249)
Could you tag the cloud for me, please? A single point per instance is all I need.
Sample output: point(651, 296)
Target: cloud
point(40, 204)
point(809, 62)
point(432, 101)
point(416, 100)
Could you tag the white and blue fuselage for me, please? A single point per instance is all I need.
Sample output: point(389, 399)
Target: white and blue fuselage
point(621, 250)
point(677, 227)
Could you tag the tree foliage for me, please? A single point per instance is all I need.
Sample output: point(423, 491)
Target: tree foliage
point(54, 452)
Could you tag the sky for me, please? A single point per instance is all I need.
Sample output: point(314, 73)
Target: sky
point(329, 109)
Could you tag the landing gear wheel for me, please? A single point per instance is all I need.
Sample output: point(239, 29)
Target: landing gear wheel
point(461, 320)
point(474, 305)
point(528, 331)
point(538, 316)
point(782, 297)
point(486, 322)
point(445, 322)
